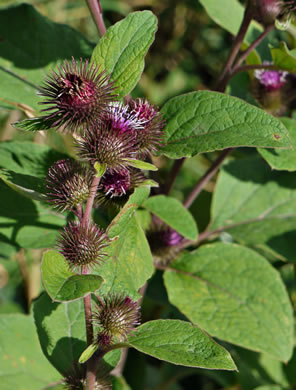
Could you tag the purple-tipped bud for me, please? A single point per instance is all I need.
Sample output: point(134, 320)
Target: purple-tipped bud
point(269, 10)
point(271, 89)
point(83, 247)
point(171, 238)
point(106, 146)
point(68, 184)
point(270, 80)
point(117, 317)
point(165, 243)
point(150, 135)
point(77, 95)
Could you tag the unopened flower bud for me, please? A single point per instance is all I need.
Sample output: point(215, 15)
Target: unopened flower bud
point(106, 146)
point(83, 247)
point(68, 184)
point(269, 10)
point(117, 316)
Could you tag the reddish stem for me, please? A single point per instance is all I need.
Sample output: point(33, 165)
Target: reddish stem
point(96, 12)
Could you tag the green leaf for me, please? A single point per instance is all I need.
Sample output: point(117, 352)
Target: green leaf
point(171, 211)
point(119, 383)
point(122, 49)
point(34, 124)
point(62, 284)
point(279, 158)
point(100, 168)
point(26, 58)
point(120, 222)
point(61, 332)
point(141, 164)
point(27, 223)
point(129, 262)
point(88, 352)
point(23, 365)
point(228, 14)
point(205, 121)
point(26, 172)
point(180, 343)
point(235, 295)
point(284, 58)
point(256, 206)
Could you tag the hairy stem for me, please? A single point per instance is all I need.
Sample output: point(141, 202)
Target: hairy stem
point(90, 201)
point(96, 12)
point(206, 177)
point(173, 175)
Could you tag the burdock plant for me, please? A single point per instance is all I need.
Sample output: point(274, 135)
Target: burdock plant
point(209, 235)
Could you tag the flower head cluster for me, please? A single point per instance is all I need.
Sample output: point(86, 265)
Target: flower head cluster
point(77, 95)
point(117, 316)
point(68, 184)
point(82, 246)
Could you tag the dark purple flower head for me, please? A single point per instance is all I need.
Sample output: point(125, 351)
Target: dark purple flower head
point(106, 146)
point(115, 187)
point(68, 184)
point(77, 95)
point(171, 238)
point(117, 316)
point(270, 80)
point(150, 136)
point(116, 183)
point(83, 247)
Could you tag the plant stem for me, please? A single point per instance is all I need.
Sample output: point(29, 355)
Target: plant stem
point(206, 177)
point(253, 46)
point(173, 175)
point(220, 84)
point(88, 319)
point(96, 12)
point(90, 201)
point(92, 366)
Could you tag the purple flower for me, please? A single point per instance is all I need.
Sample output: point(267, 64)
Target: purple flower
point(270, 80)
point(150, 136)
point(77, 95)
